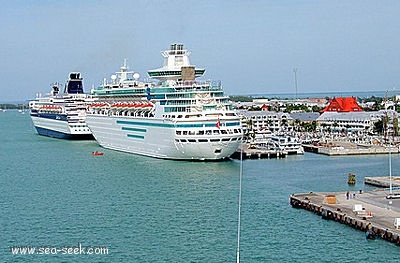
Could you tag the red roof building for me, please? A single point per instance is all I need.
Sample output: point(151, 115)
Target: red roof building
point(343, 105)
point(264, 107)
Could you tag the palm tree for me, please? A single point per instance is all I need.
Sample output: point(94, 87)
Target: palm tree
point(395, 126)
point(298, 124)
point(249, 132)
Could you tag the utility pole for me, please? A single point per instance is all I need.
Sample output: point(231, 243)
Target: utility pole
point(295, 80)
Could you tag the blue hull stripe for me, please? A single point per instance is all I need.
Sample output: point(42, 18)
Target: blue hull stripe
point(61, 135)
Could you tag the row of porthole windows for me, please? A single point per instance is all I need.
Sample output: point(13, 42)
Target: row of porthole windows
point(274, 117)
point(348, 121)
point(209, 132)
point(84, 130)
point(79, 126)
point(210, 140)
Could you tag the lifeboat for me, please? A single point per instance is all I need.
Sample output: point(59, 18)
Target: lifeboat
point(99, 105)
point(136, 105)
point(50, 108)
point(97, 153)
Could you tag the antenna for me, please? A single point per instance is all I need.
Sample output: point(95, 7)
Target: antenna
point(125, 66)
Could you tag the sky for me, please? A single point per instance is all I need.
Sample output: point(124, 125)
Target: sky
point(253, 47)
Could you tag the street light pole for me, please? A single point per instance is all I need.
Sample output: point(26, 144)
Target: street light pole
point(295, 80)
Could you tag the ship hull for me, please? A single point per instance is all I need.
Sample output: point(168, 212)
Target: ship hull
point(57, 126)
point(157, 138)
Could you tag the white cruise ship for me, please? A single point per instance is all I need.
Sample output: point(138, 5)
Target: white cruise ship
point(62, 115)
point(176, 118)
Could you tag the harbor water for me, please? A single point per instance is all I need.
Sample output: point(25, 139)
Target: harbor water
point(55, 194)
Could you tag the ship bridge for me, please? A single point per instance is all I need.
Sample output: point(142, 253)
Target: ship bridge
point(176, 66)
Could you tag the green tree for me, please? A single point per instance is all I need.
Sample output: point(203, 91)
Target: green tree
point(315, 108)
point(297, 124)
point(395, 126)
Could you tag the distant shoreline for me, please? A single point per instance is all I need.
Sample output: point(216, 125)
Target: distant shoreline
point(357, 94)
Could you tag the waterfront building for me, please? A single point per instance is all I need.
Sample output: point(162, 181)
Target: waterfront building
point(351, 121)
point(348, 104)
point(305, 116)
point(265, 121)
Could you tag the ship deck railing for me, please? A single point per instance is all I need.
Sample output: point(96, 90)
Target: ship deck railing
point(193, 84)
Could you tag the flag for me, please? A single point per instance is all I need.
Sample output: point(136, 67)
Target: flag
point(218, 123)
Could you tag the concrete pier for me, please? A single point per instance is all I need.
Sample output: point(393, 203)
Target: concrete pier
point(382, 181)
point(378, 213)
point(336, 148)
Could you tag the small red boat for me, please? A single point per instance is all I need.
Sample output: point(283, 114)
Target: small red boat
point(97, 153)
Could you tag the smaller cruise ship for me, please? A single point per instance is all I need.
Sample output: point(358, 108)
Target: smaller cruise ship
point(290, 144)
point(276, 141)
point(62, 115)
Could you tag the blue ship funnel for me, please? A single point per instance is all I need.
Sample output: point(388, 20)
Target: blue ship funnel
point(74, 84)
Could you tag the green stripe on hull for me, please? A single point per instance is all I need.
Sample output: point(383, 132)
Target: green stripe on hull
point(228, 124)
point(163, 125)
point(191, 125)
point(135, 136)
point(171, 125)
point(133, 129)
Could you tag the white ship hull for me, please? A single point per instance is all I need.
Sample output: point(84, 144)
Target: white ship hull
point(157, 138)
point(58, 127)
